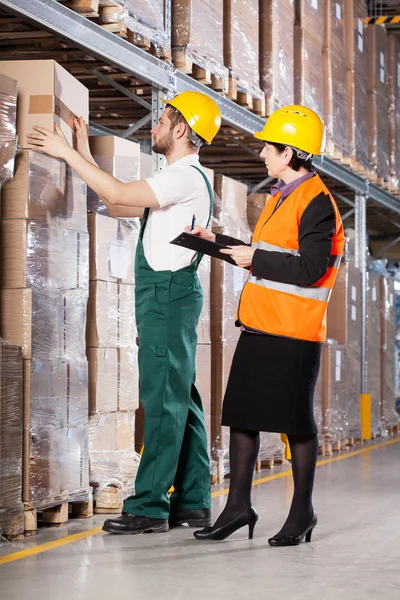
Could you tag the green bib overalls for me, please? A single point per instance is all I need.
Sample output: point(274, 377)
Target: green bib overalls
point(168, 307)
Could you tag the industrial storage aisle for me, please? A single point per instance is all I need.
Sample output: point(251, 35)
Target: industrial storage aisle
point(355, 551)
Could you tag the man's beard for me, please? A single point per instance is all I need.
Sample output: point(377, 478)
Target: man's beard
point(163, 145)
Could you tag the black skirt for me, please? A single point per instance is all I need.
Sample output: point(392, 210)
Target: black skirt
point(271, 385)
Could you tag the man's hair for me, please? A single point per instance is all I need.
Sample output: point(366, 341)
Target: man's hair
point(194, 140)
point(296, 163)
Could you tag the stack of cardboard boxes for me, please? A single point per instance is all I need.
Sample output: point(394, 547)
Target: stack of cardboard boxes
point(111, 333)
point(374, 353)
point(394, 111)
point(44, 283)
point(389, 416)
point(148, 22)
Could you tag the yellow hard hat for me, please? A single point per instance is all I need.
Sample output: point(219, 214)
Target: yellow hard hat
point(200, 111)
point(295, 126)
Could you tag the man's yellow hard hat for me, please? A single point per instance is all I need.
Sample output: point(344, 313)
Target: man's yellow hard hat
point(295, 126)
point(200, 111)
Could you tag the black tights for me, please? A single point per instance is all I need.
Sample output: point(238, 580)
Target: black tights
point(243, 449)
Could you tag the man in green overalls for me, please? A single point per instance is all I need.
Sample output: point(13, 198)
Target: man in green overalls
point(169, 300)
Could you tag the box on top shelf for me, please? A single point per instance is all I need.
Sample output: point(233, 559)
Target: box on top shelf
point(277, 52)
point(197, 36)
point(308, 41)
point(147, 22)
point(335, 79)
point(47, 94)
point(357, 81)
point(241, 50)
point(378, 123)
point(394, 111)
point(117, 156)
point(8, 127)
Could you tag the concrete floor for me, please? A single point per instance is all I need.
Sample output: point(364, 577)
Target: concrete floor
point(355, 551)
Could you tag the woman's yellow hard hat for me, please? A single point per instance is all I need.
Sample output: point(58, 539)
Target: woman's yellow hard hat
point(295, 126)
point(200, 111)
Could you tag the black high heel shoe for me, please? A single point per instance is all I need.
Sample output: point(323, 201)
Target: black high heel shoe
point(249, 517)
point(294, 540)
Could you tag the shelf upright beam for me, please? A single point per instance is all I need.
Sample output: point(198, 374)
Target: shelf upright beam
point(157, 109)
point(361, 245)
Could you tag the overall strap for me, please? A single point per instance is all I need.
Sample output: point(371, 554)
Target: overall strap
point(210, 191)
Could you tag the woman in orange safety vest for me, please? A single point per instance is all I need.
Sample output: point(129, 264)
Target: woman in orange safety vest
point(293, 261)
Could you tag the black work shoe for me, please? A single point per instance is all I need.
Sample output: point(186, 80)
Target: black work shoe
point(132, 525)
point(192, 518)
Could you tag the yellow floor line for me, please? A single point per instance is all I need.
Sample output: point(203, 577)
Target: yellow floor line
point(76, 537)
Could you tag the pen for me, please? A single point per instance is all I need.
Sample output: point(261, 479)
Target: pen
point(193, 222)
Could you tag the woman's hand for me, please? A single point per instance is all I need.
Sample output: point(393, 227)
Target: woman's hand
point(51, 143)
point(201, 232)
point(242, 255)
point(82, 139)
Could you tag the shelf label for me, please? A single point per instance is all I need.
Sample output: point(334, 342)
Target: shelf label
point(353, 313)
point(314, 4)
point(353, 293)
point(338, 11)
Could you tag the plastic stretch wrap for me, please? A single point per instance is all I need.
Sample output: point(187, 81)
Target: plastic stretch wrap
point(11, 424)
point(394, 110)
point(227, 282)
point(335, 77)
point(277, 52)
point(332, 400)
point(203, 384)
point(388, 349)
point(241, 37)
point(147, 19)
point(357, 50)
point(197, 33)
point(378, 123)
point(373, 351)
point(45, 281)
point(255, 206)
point(271, 447)
point(112, 248)
point(308, 41)
point(204, 329)
point(8, 125)
point(113, 460)
point(118, 157)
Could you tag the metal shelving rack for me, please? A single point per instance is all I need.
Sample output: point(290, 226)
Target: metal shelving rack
point(55, 18)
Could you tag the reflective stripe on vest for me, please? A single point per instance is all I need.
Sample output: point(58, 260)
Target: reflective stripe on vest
point(334, 260)
point(314, 293)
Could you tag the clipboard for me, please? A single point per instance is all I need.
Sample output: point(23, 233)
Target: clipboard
point(202, 246)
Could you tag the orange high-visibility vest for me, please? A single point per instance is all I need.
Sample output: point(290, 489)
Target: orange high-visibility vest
point(280, 308)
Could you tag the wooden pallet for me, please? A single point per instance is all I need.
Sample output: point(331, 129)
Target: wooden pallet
point(393, 430)
point(253, 103)
point(56, 512)
point(333, 152)
point(340, 445)
point(183, 61)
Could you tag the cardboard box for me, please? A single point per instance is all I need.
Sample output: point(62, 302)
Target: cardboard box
point(128, 379)
point(357, 50)
point(394, 109)
point(78, 393)
point(74, 326)
point(74, 475)
point(203, 383)
point(335, 78)
point(373, 362)
point(47, 94)
point(277, 52)
point(117, 156)
point(43, 470)
point(378, 90)
point(146, 165)
point(255, 206)
point(102, 315)
point(103, 380)
point(37, 256)
point(197, 35)
point(126, 316)
point(112, 249)
point(241, 49)
point(16, 318)
point(148, 20)
point(308, 41)
point(344, 308)
point(45, 189)
point(8, 124)
point(46, 394)
point(204, 326)
point(389, 415)
point(221, 361)
point(333, 400)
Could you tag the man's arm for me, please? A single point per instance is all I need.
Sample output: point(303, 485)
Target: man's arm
point(135, 194)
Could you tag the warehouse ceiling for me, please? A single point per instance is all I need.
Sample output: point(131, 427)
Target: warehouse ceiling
point(233, 153)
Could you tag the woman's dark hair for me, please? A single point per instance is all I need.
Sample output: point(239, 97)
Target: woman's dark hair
point(296, 163)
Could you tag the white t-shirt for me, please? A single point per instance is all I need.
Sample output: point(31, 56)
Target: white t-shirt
point(181, 193)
